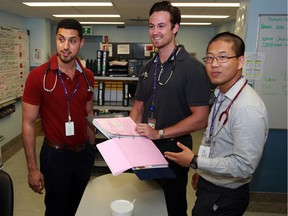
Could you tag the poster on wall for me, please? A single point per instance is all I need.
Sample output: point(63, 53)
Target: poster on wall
point(272, 87)
point(38, 56)
point(14, 62)
point(254, 65)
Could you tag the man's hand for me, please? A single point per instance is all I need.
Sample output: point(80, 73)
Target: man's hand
point(183, 158)
point(146, 130)
point(36, 181)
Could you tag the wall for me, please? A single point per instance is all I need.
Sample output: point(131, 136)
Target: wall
point(271, 175)
point(40, 35)
point(227, 27)
point(194, 38)
point(10, 126)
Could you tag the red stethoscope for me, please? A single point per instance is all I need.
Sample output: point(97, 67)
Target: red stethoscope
point(229, 106)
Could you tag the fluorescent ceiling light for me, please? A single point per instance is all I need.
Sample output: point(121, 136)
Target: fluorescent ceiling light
point(62, 4)
point(104, 23)
point(206, 4)
point(205, 16)
point(87, 15)
point(193, 23)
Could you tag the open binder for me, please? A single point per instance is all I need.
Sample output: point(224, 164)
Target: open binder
point(126, 149)
point(116, 127)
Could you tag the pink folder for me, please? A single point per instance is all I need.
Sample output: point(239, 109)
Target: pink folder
point(121, 154)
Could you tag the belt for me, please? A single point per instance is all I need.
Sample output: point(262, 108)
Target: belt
point(75, 148)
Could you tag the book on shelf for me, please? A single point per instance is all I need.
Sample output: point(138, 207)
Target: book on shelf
point(126, 149)
point(101, 94)
point(125, 100)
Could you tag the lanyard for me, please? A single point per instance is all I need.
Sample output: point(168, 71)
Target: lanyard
point(225, 112)
point(68, 98)
point(219, 99)
point(157, 61)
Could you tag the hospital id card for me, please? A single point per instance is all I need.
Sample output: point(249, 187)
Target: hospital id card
point(204, 151)
point(69, 128)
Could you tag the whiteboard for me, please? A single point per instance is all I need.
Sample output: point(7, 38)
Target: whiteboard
point(14, 62)
point(272, 88)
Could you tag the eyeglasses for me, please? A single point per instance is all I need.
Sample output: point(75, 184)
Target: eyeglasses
point(220, 59)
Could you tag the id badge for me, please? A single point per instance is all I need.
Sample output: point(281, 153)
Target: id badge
point(152, 122)
point(69, 128)
point(204, 151)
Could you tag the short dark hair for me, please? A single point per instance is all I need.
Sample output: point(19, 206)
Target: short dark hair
point(71, 24)
point(175, 14)
point(238, 44)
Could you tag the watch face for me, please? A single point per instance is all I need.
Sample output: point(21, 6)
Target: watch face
point(193, 165)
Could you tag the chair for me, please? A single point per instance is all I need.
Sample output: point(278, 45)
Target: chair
point(6, 194)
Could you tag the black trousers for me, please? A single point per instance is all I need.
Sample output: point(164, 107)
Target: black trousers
point(213, 200)
point(66, 175)
point(175, 188)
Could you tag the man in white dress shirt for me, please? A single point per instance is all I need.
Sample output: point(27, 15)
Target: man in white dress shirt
point(234, 139)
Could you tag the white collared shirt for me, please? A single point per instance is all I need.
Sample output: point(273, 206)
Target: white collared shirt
point(237, 148)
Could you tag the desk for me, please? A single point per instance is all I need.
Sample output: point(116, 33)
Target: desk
point(102, 190)
point(1, 162)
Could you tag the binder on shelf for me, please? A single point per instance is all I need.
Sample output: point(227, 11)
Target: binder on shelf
point(99, 57)
point(104, 62)
point(125, 94)
point(101, 93)
point(87, 63)
point(95, 67)
point(91, 66)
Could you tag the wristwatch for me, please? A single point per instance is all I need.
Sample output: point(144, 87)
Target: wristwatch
point(193, 163)
point(161, 133)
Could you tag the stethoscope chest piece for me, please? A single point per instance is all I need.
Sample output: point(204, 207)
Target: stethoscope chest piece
point(145, 75)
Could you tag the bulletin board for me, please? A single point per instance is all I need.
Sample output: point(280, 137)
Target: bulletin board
point(272, 88)
point(14, 62)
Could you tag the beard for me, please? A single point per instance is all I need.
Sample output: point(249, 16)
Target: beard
point(66, 59)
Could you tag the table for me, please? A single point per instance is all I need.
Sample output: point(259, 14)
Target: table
point(102, 190)
point(1, 162)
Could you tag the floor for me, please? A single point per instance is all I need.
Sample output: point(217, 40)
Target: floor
point(28, 203)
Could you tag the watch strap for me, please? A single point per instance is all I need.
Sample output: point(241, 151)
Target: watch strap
point(194, 162)
point(161, 133)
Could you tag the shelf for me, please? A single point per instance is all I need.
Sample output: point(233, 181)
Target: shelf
point(120, 108)
point(115, 78)
point(99, 161)
point(113, 105)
